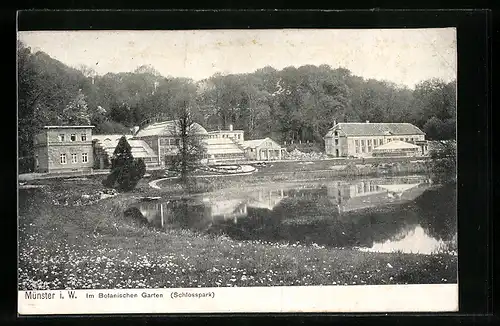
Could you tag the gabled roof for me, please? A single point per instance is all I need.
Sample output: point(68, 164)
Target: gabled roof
point(167, 128)
point(68, 127)
point(256, 142)
point(110, 137)
point(375, 129)
point(396, 144)
point(224, 131)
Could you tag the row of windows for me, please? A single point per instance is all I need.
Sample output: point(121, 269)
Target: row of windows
point(363, 149)
point(72, 137)
point(169, 142)
point(381, 141)
point(74, 158)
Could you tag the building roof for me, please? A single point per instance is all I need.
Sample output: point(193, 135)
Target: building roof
point(222, 146)
point(256, 142)
point(224, 131)
point(375, 129)
point(139, 148)
point(167, 128)
point(394, 145)
point(68, 127)
point(110, 137)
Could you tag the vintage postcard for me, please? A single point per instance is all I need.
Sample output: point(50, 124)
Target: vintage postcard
point(225, 171)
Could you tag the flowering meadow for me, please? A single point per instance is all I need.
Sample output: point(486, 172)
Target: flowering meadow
point(95, 246)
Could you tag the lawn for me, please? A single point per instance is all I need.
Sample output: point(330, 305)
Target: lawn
point(96, 246)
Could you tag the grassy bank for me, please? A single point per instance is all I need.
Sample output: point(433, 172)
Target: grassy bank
point(95, 246)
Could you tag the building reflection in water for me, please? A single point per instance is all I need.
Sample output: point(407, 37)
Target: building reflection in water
point(343, 196)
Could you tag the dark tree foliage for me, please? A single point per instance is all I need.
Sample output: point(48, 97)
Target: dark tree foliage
point(294, 104)
point(125, 170)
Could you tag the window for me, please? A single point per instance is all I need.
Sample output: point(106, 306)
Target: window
point(402, 139)
point(356, 142)
point(374, 142)
point(357, 149)
point(380, 141)
point(84, 137)
point(177, 142)
point(362, 149)
point(369, 141)
point(336, 141)
point(369, 148)
point(61, 137)
point(85, 158)
point(63, 158)
point(74, 158)
point(336, 133)
point(362, 142)
point(73, 137)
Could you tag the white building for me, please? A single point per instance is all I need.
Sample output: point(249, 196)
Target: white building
point(360, 139)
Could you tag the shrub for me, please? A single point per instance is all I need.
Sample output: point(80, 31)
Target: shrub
point(443, 163)
point(110, 180)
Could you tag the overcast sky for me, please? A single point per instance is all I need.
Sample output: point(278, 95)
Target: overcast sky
point(401, 56)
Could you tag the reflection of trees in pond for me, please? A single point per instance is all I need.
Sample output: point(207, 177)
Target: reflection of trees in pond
point(260, 223)
point(437, 211)
point(187, 214)
point(308, 221)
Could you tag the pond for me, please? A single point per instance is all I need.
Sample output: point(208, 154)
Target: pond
point(406, 214)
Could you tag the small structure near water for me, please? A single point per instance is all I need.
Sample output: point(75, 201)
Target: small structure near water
point(396, 148)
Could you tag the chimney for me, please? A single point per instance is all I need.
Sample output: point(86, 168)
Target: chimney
point(334, 122)
point(367, 121)
point(230, 127)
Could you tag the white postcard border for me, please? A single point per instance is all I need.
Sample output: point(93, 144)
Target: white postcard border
point(339, 299)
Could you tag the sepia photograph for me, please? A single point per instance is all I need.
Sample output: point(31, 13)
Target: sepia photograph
point(187, 166)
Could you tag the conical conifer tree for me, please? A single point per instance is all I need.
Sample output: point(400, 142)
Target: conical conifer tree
point(122, 154)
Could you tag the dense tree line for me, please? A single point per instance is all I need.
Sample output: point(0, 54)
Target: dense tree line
point(289, 105)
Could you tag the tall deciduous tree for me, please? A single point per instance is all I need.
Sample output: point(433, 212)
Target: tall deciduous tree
point(76, 112)
point(190, 149)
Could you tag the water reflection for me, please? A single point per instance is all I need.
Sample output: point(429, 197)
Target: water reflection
point(412, 241)
point(336, 214)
